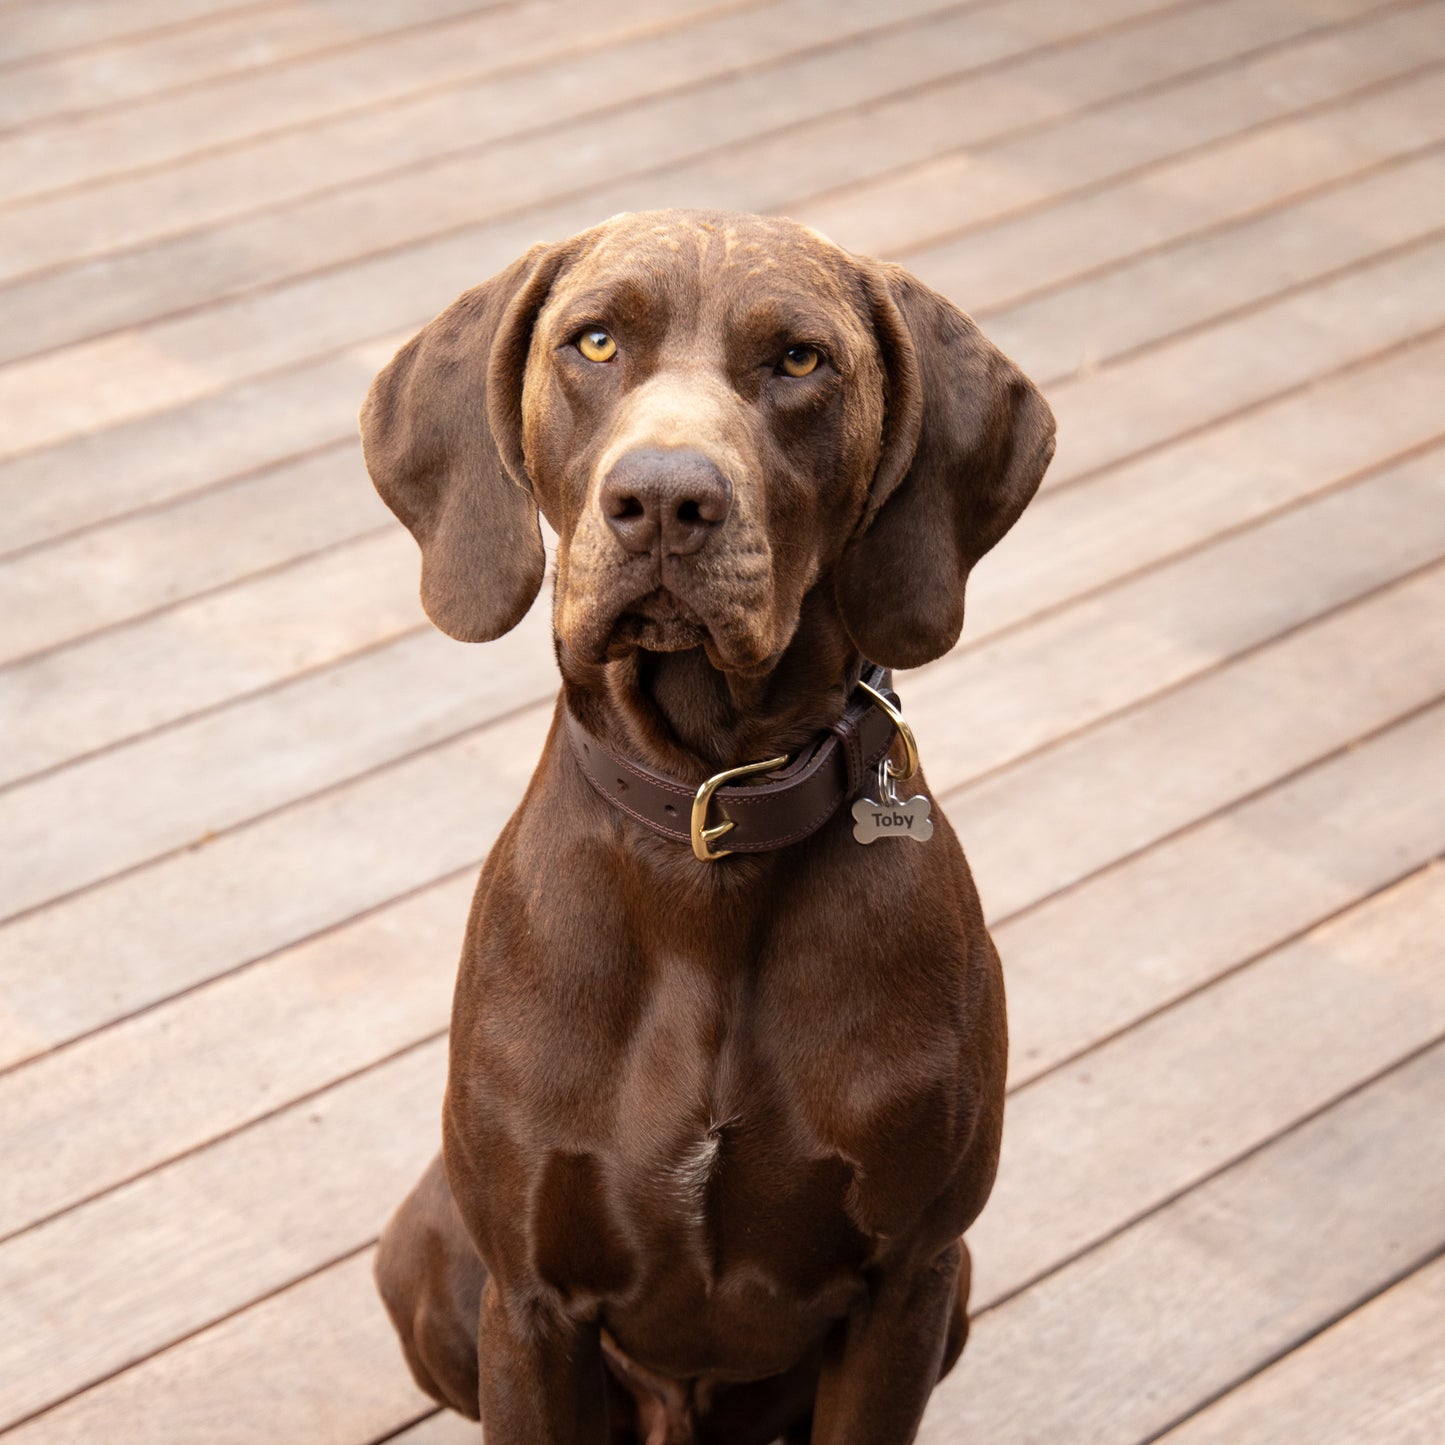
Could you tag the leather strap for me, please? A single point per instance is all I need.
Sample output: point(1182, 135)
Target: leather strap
point(786, 807)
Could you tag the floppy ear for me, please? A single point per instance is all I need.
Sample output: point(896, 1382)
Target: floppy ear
point(966, 440)
point(441, 433)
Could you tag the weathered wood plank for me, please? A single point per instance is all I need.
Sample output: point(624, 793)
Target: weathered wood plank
point(35, 28)
point(233, 108)
point(277, 880)
point(1154, 1322)
point(148, 562)
point(222, 435)
point(1039, 683)
point(243, 1217)
point(1131, 939)
point(1201, 377)
point(213, 45)
point(444, 1428)
point(1103, 318)
point(1166, 200)
point(1119, 787)
point(59, 394)
point(84, 1118)
point(211, 649)
point(945, 191)
point(661, 128)
point(318, 1363)
point(538, 87)
point(1378, 1376)
point(178, 452)
point(1230, 475)
point(1147, 1115)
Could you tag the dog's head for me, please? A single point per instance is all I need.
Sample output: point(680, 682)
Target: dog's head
point(716, 413)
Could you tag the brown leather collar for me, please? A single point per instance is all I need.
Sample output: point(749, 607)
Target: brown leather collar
point(791, 804)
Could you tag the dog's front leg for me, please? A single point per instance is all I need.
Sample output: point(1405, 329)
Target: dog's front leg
point(543, 1379)
point(875, 1383)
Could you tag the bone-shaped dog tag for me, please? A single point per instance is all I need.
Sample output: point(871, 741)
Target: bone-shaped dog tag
point(892, 818)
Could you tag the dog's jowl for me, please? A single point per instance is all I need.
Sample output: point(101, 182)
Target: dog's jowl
point(726, 1086)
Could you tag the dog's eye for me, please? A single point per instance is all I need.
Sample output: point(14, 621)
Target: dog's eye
point(800, 360)
point(596, 345)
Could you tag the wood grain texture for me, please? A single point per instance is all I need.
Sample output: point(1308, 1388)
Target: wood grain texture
point(160, 450)
point(1152, 1323)
point(399, 290)
point(1376, 1376)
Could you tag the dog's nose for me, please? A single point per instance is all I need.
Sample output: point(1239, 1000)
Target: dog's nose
point(677, 497)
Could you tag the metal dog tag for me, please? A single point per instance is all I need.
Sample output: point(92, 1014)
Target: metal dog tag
point(893, 817)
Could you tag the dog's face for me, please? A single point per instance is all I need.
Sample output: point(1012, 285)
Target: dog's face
point(702, 414)
point(715, 413)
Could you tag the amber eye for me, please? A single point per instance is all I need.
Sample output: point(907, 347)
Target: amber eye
point(596, 345)
point(800, 360)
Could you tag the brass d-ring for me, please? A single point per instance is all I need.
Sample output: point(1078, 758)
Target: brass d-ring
point(910, 743)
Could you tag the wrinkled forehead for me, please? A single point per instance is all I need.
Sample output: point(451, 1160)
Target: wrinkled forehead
point(690, 273)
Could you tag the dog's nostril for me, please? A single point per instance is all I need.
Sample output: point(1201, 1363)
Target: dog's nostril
point(625, 507)
point(689, 512)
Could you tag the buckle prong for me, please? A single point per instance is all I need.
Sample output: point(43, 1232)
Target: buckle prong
point(702, 835)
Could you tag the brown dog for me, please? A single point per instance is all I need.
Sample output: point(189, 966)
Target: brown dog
point(714, 1125)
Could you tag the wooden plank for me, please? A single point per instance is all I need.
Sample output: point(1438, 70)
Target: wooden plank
point(212, 46)
point(949, 189)
point(1036, 685)
point(1201, 377)
point(1378, 1375)
point(1102, 319)
point(81, 1121)
point(178, 787)
point(1230, 475)
point(148, 562)
point(1092, 960)
point(35, 28)
point(1154, 1322)
point(219, 436)
point(1106, 793)
point(241, 1218)
point(1027, 690)
point(1001, 262)
point(281, 878)
point(220, 646)
point(662, 127)
point(330, 1005)
point(1147, 1115)
point(318, 1363)
point(56, 395)
point(233, 108)
point(539, 87)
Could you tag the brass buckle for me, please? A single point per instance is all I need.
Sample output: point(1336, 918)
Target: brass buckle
point(702, 835)
point(910, 743)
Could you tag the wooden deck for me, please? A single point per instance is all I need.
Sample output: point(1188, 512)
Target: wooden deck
point(1194, 738)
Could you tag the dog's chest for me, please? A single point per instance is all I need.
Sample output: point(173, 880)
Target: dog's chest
point(735, 1184)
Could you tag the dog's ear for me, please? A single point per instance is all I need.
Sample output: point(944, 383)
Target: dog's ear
point(966, 440)
point(441, 433)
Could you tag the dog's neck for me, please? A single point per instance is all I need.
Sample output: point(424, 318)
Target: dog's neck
point(679, 714)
